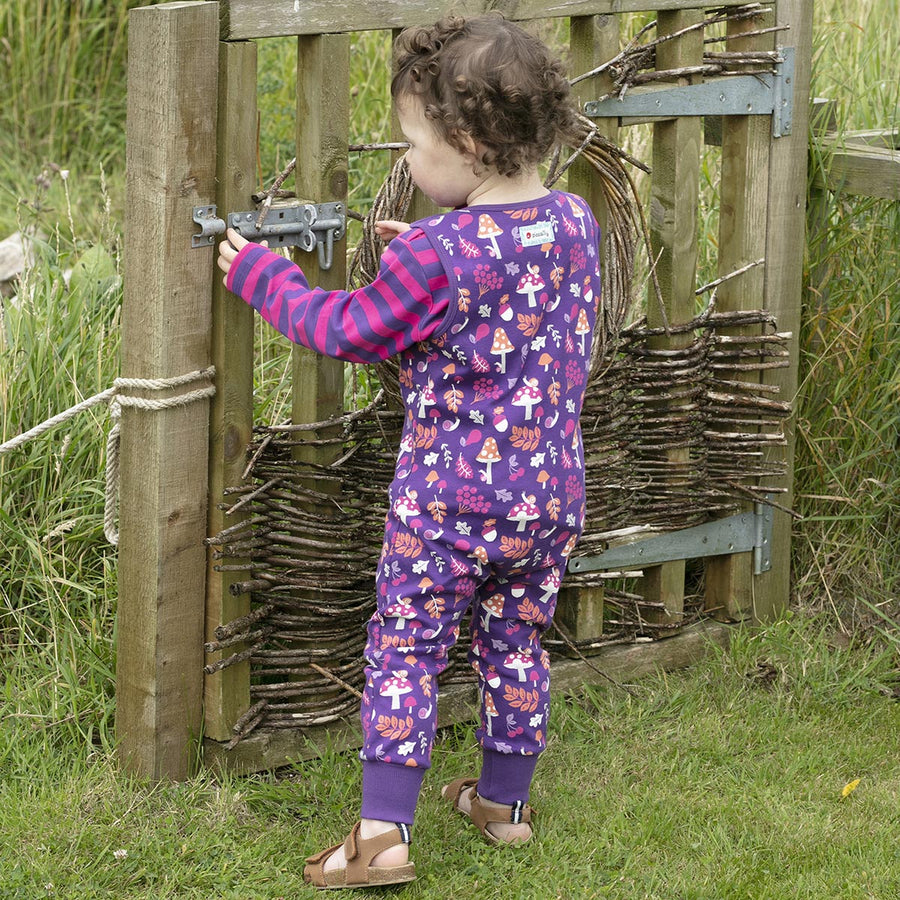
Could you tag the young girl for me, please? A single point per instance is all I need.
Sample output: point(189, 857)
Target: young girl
point(491, 308)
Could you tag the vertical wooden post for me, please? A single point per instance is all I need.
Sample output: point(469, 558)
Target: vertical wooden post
point(742, 240)
point(227, 692)
point(420, 206)
point(170, 168)
point(592, 40)
point(673, 231)
point(323, 115)
point(785, 241)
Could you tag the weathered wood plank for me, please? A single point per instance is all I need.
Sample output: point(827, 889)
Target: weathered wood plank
point(170, 168)
point(459, 703)
point(785, 240)
point(323, 121)
point(227, 693)
point(867, 171)
point(247, 19)
point(674, 199)
point(742, 240)
point(592, 40)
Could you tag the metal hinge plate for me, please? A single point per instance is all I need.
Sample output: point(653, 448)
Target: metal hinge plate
point(763, 94)
point(305, 225)
point(740, 533)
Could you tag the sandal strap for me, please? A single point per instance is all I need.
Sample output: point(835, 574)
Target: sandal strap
point(482, 816)
point(359, 851)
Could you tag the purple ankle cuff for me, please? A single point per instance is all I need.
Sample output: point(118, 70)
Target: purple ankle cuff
point(390, 792)
point(506, 777)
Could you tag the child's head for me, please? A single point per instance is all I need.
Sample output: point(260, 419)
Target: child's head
point(486, 79)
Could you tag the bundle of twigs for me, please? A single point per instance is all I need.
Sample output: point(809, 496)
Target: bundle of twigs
point(636, 63)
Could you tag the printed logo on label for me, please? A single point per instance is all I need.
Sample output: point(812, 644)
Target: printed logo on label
point(537, 233)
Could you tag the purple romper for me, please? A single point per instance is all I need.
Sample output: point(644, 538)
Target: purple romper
point(487, 500)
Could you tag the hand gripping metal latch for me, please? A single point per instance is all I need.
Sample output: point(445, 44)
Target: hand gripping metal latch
point(309, 226)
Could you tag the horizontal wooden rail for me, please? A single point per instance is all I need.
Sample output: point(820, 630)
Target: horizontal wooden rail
point(863, 163)
point(248, 19)
point(459, 702)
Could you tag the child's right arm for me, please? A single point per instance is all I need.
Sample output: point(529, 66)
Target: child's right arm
point(407, 302)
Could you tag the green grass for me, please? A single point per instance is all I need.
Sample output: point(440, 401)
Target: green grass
point(707, 784)
point(710, 783)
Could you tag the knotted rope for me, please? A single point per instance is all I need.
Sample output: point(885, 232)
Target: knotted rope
point(116, 398)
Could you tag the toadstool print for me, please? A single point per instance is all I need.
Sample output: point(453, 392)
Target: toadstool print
point(489, 455)
point(550, 584)
point(524, 512)
point(517, 662)
point(490, 711)
point(529, 395)
point(582, 327)
point(530, 283)
point(500, 347)
point(479, 554)
point(396, 686)
point(578, 212)
point(406, 506)
point(488, 230)
point(401, 611)
point(426, 398)
point(493, 606)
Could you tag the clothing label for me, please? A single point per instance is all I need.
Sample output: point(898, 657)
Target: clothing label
point(537, 233)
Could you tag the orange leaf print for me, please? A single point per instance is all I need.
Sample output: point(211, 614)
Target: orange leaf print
point(438, 510)
point(407, 545)
point(528, 324)
point(425, 436)
point(553, 507)
point(525, 438)
point(553, 392)
point(434, 607)
point(520, 698)
point(393, 727)
point(528, 612)
point(454, 398)
point(515, 548)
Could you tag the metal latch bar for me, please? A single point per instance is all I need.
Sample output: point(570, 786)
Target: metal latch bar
point(761, 94)
point(740, 533)
point(308, 226)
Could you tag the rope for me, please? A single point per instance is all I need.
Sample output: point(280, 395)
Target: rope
point(116, 400)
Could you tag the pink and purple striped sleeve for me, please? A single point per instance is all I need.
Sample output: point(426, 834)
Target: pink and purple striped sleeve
point(408, 302)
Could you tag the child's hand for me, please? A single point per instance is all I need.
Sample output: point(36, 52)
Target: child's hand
point(229, 249)
point(388, 229)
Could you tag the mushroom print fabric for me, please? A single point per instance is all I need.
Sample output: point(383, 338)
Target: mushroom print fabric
point(487, 500)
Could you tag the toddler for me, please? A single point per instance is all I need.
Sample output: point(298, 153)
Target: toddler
point(490, 307)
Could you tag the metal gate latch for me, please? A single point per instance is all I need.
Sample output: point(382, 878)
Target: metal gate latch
point(308, 226)
point(736, 534)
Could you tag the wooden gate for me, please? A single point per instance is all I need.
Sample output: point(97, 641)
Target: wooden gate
point(191, 141)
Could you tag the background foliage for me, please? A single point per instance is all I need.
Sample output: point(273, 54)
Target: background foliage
point(62, 67)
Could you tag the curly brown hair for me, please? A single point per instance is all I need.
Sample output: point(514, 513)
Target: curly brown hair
point(487, 78)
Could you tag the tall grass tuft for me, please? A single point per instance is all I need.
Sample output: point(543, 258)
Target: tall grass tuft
point(846, 553)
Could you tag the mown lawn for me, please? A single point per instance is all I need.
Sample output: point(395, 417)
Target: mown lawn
point(721, 781)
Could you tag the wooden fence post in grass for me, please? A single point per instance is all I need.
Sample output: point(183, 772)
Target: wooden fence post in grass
point(323, 101)
point(226, 693)
point(742, 240)
point(170, 168)
point(785, 242)
point(674, 198)
point(592, 40)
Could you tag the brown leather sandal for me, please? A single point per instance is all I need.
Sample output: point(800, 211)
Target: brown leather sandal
point(360, 872)
point(482, 816)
